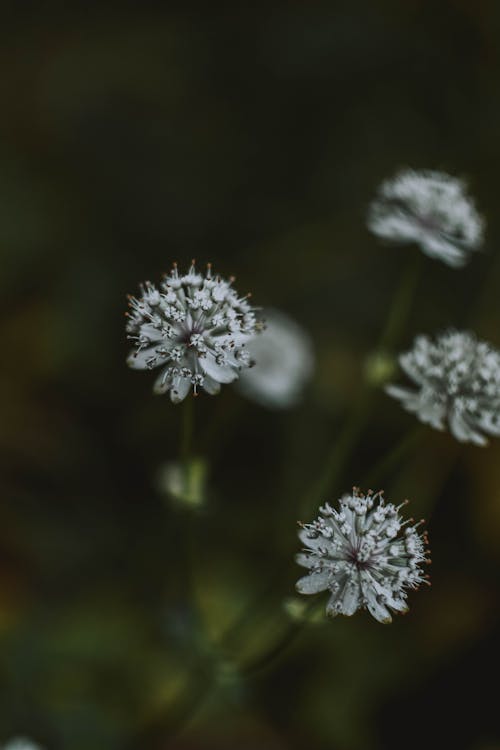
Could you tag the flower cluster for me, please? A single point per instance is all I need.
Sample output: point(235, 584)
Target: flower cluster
point(458, 382)
point(362, 557)
point(195, 328)
point(431, 209)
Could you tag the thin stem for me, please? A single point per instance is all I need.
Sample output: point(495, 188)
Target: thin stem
point(392, 457)
point(342, 448)
point(339, 452)
point(401, 304)
point(187, 429)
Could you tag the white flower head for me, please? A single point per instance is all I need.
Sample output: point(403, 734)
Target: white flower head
point(195, 328)
point(21, 743)
point(431, 209)
point(457, 381)
point(284, 362)
point(364, 555)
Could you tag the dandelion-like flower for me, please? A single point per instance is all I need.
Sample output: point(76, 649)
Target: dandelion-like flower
point(284, 362)
point(431, 209)
point(363, 555)
point(195, 328)
point(457, 382)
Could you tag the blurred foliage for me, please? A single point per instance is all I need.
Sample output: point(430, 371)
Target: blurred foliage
point(251, 135)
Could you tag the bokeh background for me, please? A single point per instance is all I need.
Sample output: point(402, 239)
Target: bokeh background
point(252, 135)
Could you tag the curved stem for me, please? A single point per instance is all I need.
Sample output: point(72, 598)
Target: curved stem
point(341, 449)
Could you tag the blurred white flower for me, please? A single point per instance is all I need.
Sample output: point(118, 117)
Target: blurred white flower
point(457, 381)
point(360, 554)
point(431, 209)
point(195, 328)
point(21, 743)
point(283, 363)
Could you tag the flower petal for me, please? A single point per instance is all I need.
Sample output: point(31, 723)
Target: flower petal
point(219, 373)
point(180, 389)
point(313, 583)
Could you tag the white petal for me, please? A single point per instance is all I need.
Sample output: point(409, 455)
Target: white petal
point(307, 561)
point(332, 607)
point(351, 597)
point(403, 394)
point(463, 431)
point(211, 386)
point(162, 383)
point(138, 361)
point(373, 601)
point(220, 373)
point(180, 389)
point(313, 583)
point(314, 542)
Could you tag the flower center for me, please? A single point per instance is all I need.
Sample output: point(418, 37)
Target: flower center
point(189, 332)
point(360, 559)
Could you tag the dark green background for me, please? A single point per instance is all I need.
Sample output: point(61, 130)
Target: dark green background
point(252, 135)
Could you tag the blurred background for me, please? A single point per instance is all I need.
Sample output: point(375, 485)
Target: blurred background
point(252, 135)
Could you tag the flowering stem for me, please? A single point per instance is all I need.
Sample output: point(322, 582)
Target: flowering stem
point(401, 304)
point(341, 449)
point(187, 429)
point(392, 457)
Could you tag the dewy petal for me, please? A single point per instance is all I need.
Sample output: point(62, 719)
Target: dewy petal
point(313, 583)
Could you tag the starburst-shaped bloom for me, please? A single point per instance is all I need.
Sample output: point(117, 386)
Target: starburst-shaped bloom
point(195, 328)
point(364, 555)
point(457, 382)
point(284, 362)
point(431, 209)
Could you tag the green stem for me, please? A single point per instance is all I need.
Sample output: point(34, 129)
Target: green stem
point(391, 459)
point(342, 448)
point(187, 429)
point(401, 304)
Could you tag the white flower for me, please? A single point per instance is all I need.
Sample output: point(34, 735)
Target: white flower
point(284, 362)
point(457, 381)
point(431, 209)
point(362, 556)
point(20, 743)
point(195, 328)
